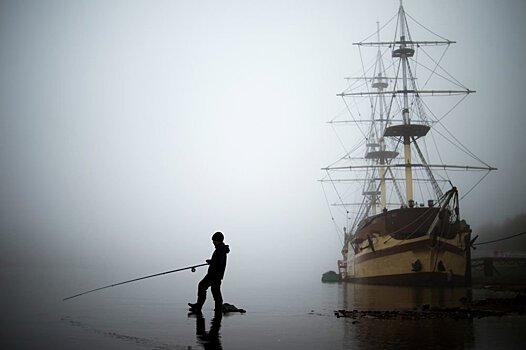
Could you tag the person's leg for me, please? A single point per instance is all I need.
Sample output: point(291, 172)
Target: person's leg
point(216, 293)
point(201, 293)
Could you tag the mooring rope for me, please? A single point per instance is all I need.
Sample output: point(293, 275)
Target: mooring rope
point(501, 239)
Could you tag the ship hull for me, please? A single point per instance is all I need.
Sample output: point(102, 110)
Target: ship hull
point(426, 260)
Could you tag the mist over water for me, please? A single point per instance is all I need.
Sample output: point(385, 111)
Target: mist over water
point(130, 131)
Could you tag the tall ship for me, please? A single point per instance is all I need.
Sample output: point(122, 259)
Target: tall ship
point(394, 187)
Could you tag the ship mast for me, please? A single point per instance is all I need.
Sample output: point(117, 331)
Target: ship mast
point(381, 85)
point(408, 132)
point(381, 156)
point(406, 52)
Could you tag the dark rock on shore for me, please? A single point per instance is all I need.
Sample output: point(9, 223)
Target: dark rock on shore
point(232, 308)
point(475, 309)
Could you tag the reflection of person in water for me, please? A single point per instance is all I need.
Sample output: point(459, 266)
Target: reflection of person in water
point(211, 339)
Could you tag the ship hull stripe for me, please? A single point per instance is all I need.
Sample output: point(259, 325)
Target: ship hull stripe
point(419, 245)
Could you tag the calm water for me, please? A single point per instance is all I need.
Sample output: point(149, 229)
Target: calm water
point(288, 314)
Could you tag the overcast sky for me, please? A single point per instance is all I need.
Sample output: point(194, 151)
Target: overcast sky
point(130, 131)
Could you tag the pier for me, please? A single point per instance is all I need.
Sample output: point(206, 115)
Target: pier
point(499, 268)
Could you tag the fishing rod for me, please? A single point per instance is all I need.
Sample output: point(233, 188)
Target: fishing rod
point(136, 279)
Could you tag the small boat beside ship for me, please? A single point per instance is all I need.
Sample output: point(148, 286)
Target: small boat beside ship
point(401, 209)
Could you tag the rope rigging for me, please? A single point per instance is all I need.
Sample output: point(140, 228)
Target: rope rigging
point(421, 25)
point(336, 227)
point(500, 239)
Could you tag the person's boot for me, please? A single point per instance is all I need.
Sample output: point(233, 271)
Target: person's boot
point(195, 307)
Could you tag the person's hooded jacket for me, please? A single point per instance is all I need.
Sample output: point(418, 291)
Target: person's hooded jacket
point(218, 261)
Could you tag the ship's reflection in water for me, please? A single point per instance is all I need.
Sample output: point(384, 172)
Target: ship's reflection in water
point(374, 333)
point(375, 297)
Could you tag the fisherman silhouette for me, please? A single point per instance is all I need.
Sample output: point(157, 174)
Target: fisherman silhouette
point(216, 271)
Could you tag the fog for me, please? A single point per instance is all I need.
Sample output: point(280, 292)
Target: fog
point(502, 231)
point(132, 130)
